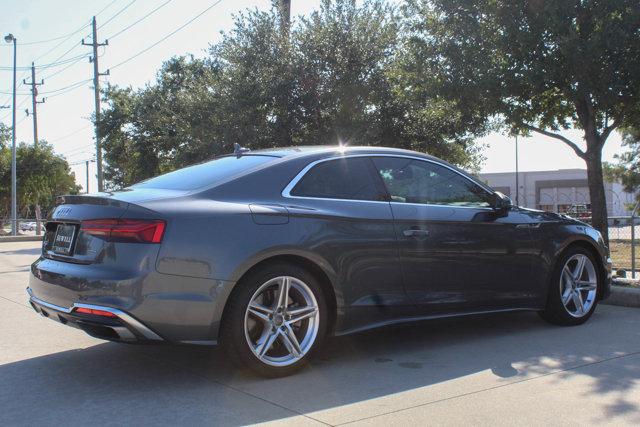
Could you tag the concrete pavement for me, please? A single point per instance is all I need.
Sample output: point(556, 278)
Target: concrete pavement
point(503, 369)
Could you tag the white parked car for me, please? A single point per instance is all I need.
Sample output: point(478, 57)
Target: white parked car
point(27, 226)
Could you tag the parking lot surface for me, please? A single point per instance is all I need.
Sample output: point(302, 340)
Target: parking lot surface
point(505, 369)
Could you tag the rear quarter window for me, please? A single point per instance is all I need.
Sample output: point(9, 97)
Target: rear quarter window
point(350, 178)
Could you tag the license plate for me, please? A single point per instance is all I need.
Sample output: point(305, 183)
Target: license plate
point(63, 239)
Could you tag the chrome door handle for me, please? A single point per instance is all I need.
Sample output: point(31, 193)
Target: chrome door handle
point(415, 232)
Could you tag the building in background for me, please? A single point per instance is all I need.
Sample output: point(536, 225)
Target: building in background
point(558, 191)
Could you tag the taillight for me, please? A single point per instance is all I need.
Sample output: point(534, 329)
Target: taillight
point(94, 312)
point(125, 230)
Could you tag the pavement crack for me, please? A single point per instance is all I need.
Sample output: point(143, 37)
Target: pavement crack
point(15, 302)
point(471, 393)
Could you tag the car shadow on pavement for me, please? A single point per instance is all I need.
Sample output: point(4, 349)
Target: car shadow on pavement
point(26, 251)
point(354, 377)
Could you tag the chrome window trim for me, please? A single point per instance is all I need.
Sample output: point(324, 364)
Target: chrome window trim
point(287, 190)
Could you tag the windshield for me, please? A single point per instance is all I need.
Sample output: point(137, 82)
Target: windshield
point(205, 174)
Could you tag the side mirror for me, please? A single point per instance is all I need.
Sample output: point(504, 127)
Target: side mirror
point(501, 202)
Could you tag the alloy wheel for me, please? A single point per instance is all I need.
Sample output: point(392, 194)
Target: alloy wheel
point(281, 321)
point(578, 285)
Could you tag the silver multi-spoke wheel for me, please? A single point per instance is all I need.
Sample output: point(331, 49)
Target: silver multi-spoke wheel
point(578, 285)
point(281, 321)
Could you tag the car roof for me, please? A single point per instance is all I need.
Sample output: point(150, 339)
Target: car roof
point(327, 150)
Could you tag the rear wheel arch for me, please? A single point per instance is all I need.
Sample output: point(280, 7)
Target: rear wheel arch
point(310, 266)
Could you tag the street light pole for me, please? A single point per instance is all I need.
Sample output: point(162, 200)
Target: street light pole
point(14, 205)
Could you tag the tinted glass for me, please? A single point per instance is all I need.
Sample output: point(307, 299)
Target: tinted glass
point(415, 181)
point(340, 179)
point(204, 174)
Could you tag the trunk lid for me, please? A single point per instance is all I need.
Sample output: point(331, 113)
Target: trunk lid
point(64, 238)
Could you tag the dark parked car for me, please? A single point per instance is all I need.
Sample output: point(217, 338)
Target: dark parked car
point(269, 252)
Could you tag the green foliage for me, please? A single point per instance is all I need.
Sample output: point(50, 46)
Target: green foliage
point(42, 175)
point(337, 78)
point(626, 169)
point(548, 64)
point(533, 66)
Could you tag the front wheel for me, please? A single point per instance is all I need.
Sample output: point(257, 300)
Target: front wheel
point(573, 293)
point(275, 320)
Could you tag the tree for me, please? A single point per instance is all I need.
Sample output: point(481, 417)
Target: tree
point(536, 66)
point(335, 78)
point(626, 170)
point(42, 175)
point(161, 127)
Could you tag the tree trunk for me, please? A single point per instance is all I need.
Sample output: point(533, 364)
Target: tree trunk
point(38, 220)
point(599, 216)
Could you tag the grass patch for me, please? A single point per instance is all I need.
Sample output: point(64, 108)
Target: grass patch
point(621, 253)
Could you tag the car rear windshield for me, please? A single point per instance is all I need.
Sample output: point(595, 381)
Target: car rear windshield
point(205, 174)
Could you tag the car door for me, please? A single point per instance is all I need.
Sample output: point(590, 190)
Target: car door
point(339, 206)
point(456, 252)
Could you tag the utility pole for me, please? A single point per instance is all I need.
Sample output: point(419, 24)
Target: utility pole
point(34, 113)
point(86, 189)
point(34, 101)
point(96, 87)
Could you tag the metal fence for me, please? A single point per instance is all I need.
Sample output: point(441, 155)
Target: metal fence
point(624, 233)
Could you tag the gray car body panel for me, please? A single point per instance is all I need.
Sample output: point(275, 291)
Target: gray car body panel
point(215, 235)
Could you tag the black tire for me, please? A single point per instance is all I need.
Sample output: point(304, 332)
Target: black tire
point(555, 311)
point(232, 332)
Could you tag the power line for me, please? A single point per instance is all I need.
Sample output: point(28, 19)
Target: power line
point(116, 14)
point(67, 37)
point(61, 43)
point(45, 66)
point(139, 20)
point(64, 89)
point(66, 68)
point(70, 89)
point(70, 134)
point(17, 93)
point(71, 86)
point(21, 120)
point(166, 36)
point(106, 7)
point(81, 162)
point(20, 104)
point(48, 40)
point(77, 151)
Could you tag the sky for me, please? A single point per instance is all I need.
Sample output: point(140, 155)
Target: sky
point(64, 119)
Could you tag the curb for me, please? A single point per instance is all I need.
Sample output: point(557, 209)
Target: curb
point(623, 296)
point(20, 238)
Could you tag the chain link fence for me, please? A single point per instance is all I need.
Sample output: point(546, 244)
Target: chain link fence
point(624, 236)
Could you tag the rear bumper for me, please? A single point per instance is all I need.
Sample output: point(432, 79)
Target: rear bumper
point(180, 309)
point(123, 327)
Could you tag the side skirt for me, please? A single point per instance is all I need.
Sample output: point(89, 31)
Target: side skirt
point(427, 317)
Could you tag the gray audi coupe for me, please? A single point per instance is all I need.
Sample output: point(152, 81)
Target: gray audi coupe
point(269, 252)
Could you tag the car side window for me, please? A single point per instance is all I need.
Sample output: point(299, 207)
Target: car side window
point(347, 178)
point(415, 181)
